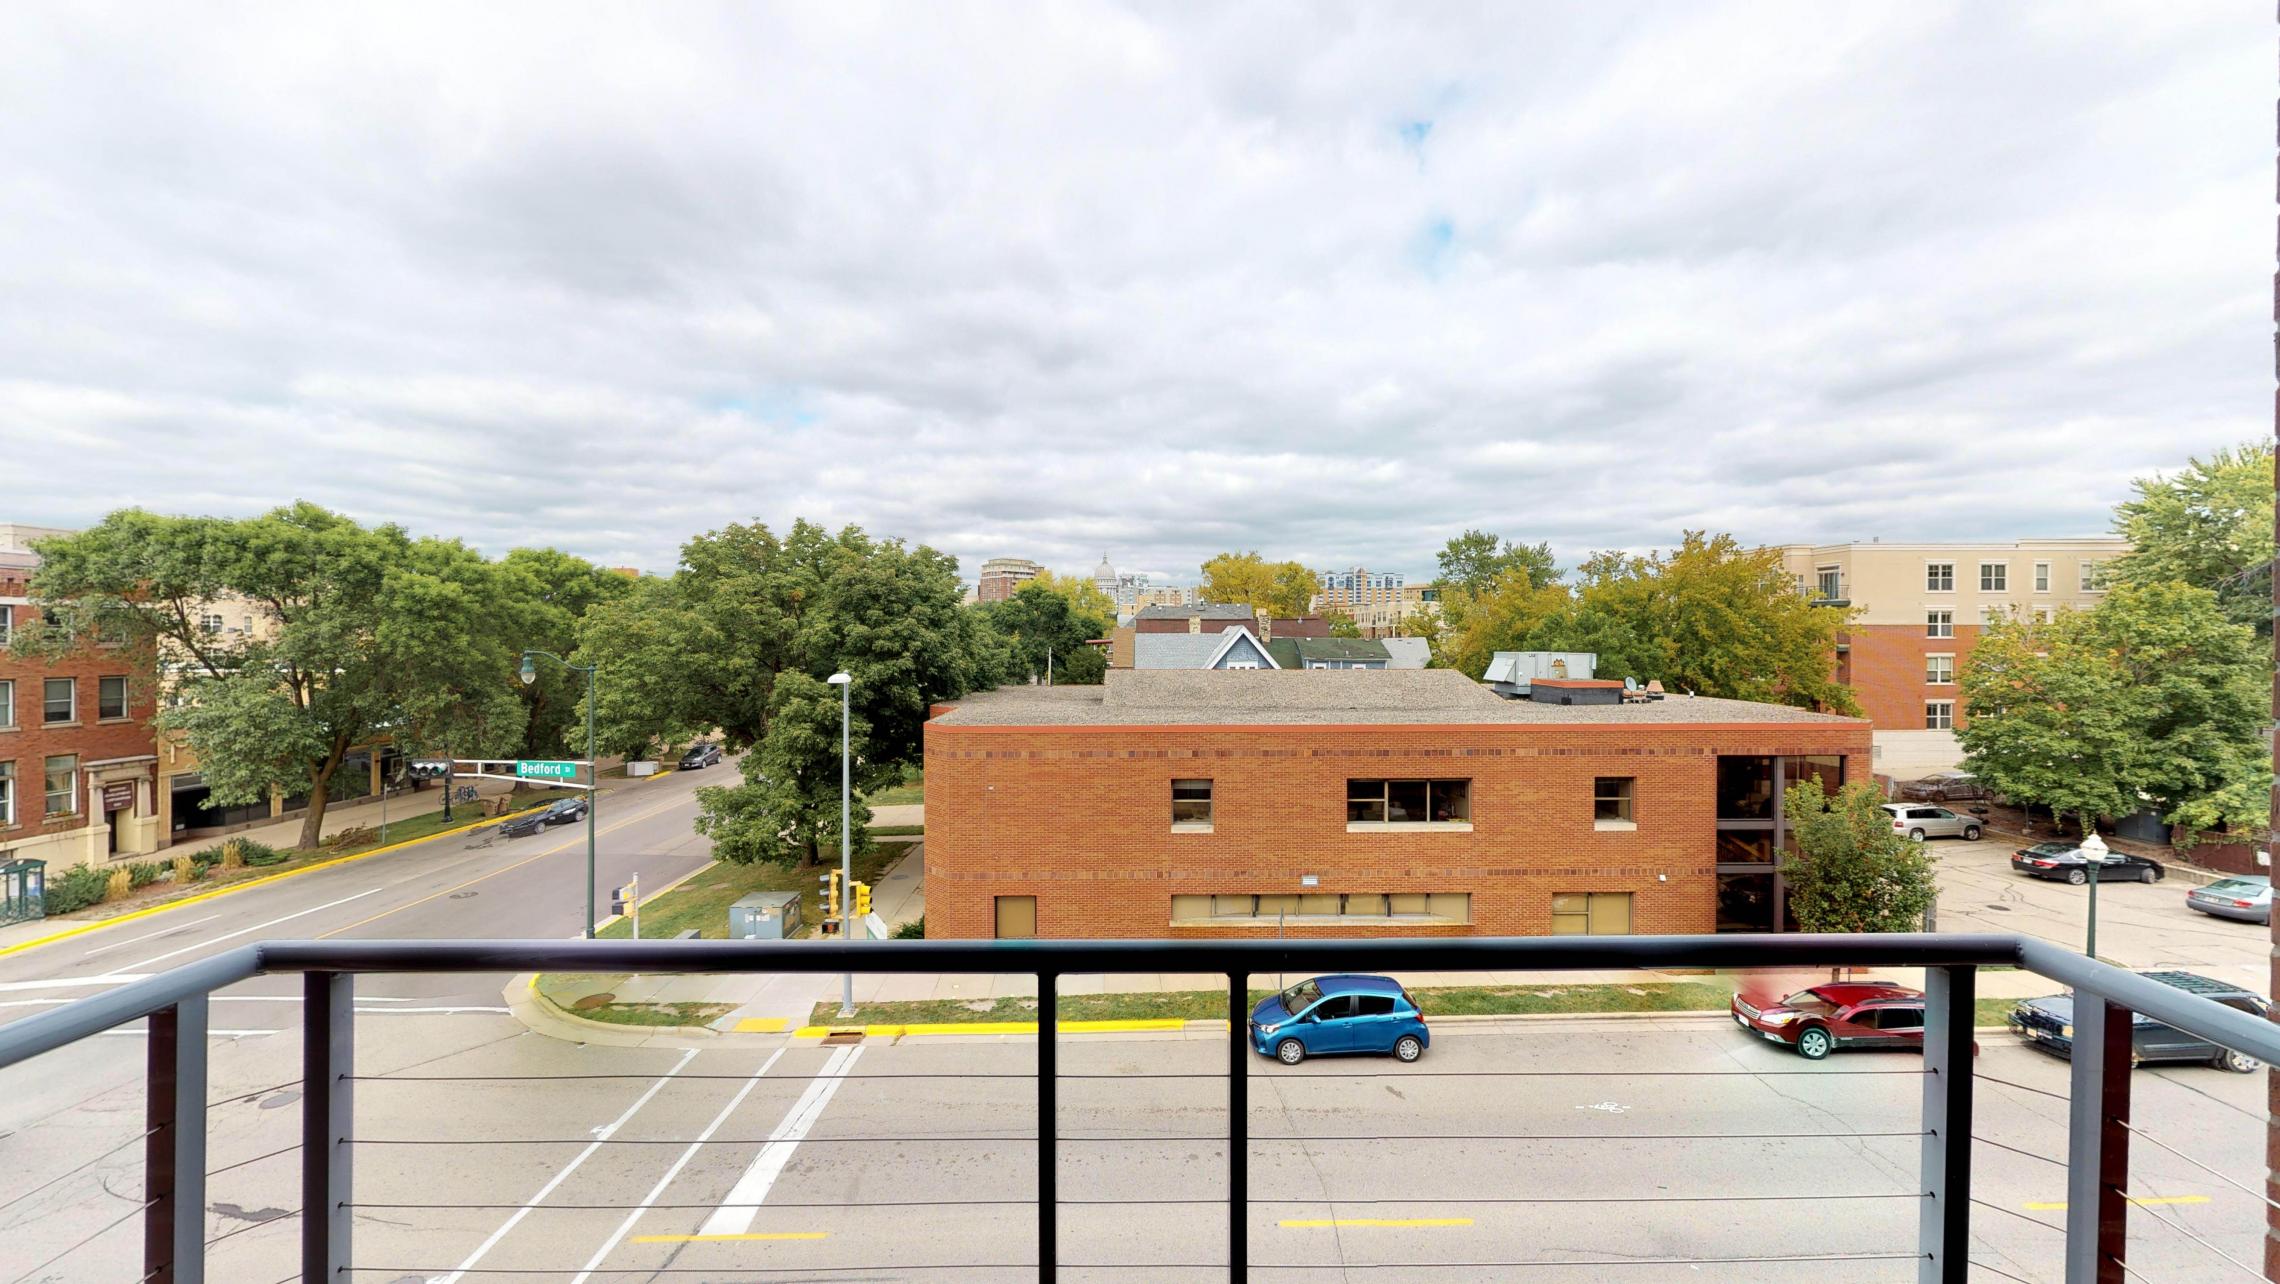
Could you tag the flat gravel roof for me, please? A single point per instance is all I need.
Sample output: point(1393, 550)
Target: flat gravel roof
point(1269, 697)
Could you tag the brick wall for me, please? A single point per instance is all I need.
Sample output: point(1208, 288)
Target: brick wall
point(1886, 669)
point(1080, 818)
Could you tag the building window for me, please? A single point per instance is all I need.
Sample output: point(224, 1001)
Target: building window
point(1994, 577)
point(1991, 616)
point(7, 624)
point(1825, 770)
point(1939, 715)
point(1611, 803)
point(1408, 802)
point(1191, 804)
point(2093, 578)
point(1939, 670)
point(1939, 624)
point(1745, 788)
point(111, 697)
point(1591, 914)
point(62, 700)
point(210, 624)
point(1832, 582)
point(7, 703)
point(7, 793)
point(2046, 614)
point(1016, 918)
point(2042, 577)
point(62, 786)
point(1248, 908)
point(1939, 577)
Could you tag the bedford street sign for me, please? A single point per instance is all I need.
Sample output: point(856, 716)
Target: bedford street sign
point(540, 769)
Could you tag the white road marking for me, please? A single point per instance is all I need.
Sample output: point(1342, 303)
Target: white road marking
point(71, 982)
point(137, 940)
point(618, 1236)
point(216, 940)
point(735, 1214)
point(484, 1248)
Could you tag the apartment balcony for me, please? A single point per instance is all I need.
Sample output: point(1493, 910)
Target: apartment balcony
point(1674, 1149)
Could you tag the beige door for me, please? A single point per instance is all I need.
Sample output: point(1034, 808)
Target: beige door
point(1016, 917)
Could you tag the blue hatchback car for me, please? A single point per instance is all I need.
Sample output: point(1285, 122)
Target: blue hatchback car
point(1339, 1014)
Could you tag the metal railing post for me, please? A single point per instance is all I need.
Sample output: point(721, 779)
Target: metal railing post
point(1048, 1126)
point(174, 1151)
point(328, 1119)
point(1944, 1231)
point(2097, 1146)
point(1238, 1126)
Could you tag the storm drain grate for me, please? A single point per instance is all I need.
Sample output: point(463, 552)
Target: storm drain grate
point(837, 1037)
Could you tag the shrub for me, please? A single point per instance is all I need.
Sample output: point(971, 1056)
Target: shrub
point(233, 853)
point(915, 930)
point(144, 872)
point(187, 869)
point(76, 889)
point(261, 853)
point(116, 887)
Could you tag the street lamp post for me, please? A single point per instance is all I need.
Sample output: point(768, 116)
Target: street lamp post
point(846, 844)
point(2093, 851)
point(593, 765)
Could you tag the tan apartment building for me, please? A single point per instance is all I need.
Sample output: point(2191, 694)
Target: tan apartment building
point(1921, 608)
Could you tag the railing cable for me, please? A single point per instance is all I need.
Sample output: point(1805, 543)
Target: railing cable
point(2045, 1092)
point(2251, 1271)
point(2012, 1212)
point(266, 1221)
point(1990, 1141)
point(245, 1163)
point(1031, 1137)
point(104, 1229)
point(2141, 1133)
point(79, 1168)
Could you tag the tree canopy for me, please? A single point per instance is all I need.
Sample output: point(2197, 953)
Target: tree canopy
point(1477, 561)
point(2210, 526)
point(1710, 616)
point(2152, 698)
point(1039, 621)
point(358, 632)
point(1281, 589)
point(1852, 872)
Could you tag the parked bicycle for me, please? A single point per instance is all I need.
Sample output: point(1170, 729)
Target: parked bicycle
point(465, 793)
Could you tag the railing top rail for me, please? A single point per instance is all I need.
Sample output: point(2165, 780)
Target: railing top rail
point(1451, 954)
point(56, 1027)
point(2192, 1013)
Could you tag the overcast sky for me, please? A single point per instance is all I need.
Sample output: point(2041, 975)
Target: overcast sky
point(1052, 280)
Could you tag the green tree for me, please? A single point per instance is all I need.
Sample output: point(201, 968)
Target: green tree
point(2052, 718)
point(1341, 624)
point(1038, 621)
point(1476, 560)
point(2210, 526)
point(544, 593)
point(786, 811)
point(1852, 873)
point(359, 633)
point(1084, 596)
point(1281, 589)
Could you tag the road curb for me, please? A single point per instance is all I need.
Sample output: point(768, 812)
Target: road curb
point(542, 1015)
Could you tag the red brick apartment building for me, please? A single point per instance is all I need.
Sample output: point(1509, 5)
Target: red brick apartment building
point(77, 754)
point(1187, 803)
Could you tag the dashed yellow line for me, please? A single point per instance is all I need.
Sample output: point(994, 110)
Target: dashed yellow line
point(1341, 1223)
point(2060, 1206)
point(975, 1027)
point(746, 1237)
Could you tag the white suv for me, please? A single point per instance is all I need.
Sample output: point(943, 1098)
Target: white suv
point(1921, 820)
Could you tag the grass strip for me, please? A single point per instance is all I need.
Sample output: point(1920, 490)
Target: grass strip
point(702, 902)
point(1197, 1005)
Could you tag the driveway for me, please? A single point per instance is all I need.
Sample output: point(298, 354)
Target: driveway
point(2140, 925)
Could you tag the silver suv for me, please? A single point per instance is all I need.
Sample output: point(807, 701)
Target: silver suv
point(1920, 821)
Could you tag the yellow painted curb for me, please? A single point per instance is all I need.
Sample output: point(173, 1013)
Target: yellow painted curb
point(989, 1027)
point(202, 897)
point(761, 1025)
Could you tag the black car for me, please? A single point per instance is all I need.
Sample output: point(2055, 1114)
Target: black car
point(700, 755)
point(563, 811)
point(522, 826)
point(2049, 1024)
point(2064, 861)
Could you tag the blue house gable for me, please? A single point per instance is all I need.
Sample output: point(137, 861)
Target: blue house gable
point(1240, 650)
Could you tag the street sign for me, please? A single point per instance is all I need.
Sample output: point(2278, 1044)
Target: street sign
point(539, 769)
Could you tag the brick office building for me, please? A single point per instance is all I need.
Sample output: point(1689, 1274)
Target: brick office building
point(77, 753)
point(1183, 803)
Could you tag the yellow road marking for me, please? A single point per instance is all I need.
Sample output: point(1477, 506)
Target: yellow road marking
point(989, 1027)
point(1327, 1223)
point(2060, 1206)
point(727, 1239)
point(761, 1025)
point(251, 883)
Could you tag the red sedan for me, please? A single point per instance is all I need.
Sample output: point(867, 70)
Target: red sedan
point(1840, 1014)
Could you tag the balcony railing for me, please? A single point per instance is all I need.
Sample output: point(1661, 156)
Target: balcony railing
point(176, 1005)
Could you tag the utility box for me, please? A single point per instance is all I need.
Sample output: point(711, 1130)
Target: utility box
point(23, 891)
point(765, 916)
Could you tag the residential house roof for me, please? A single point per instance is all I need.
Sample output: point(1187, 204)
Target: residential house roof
point(1406, 653)
point(1197, 611)
point(1198, 650)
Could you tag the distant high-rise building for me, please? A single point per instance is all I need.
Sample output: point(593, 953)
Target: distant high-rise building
point(1375, 600)
point(1002, 575)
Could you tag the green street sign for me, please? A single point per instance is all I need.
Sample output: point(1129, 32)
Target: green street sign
point(535, 769)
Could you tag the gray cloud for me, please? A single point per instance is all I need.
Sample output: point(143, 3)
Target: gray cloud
point(1329, 282)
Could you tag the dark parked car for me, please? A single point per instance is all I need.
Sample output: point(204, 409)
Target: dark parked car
point(2064, 861)
point(562, 811)
point(2049, 1024)
point(1339, 1014)
point(700, 755)
point(1944, 786)
point(2247, 897)
point(1819, 1019)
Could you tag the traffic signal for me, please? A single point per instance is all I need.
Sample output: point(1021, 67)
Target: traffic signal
point(862, 899)
point(830, 883)
point(617, 900)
